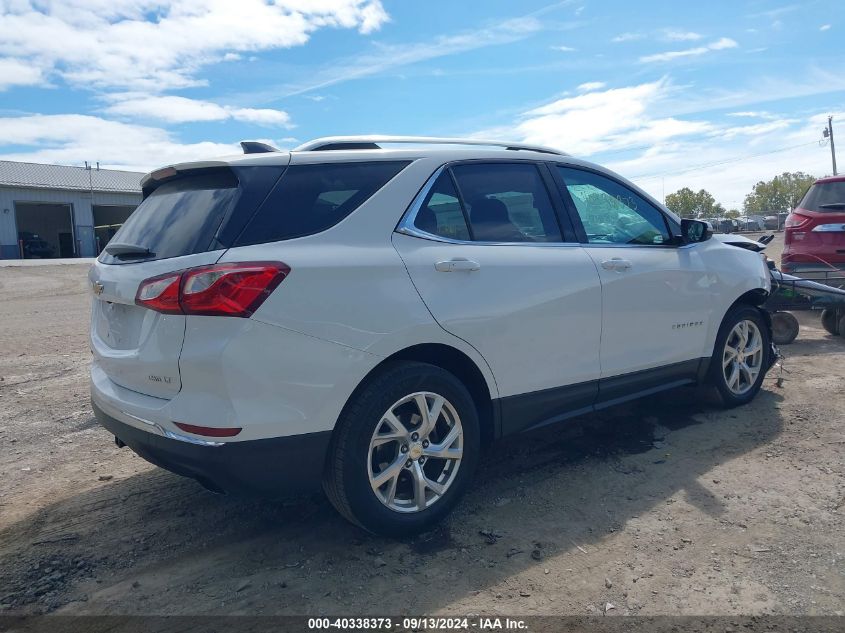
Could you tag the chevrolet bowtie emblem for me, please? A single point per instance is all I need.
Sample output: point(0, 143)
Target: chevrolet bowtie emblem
point(98, 288)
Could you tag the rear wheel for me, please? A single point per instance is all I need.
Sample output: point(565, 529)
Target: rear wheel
point(784, 328)
point(830, 322)
point(404, 450)
point(842, 325)
point(740, 356)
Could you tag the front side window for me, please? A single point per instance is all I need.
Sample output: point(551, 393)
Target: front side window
point(611, 213)
point(507, 202)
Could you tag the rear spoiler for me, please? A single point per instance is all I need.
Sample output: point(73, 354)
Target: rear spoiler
point(154, 179)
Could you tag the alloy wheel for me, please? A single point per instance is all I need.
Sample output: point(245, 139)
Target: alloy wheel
point(742, 358)
point(415, 452)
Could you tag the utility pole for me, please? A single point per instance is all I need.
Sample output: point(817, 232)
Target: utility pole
point(828, 134)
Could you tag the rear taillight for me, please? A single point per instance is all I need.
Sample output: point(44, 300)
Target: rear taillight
point(218, 290)
point(160, 293)
point(795, 220)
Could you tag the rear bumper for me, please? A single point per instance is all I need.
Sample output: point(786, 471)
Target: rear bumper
point(282, 465)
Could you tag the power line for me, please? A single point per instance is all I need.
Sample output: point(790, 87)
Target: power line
point(721, 162)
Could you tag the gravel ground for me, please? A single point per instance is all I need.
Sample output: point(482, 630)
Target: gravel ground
point(667, 506)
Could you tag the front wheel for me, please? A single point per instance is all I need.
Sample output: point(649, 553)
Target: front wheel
point(404, 449)
point(741, 355)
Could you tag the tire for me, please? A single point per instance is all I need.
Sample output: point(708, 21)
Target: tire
point(357, 457)
point(842, 325)
point(784, 328)
point(747, 383)
point(830, 322)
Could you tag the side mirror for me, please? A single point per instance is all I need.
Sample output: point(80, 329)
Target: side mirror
point(693, 231)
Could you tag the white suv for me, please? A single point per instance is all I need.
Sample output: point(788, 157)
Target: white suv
point(371, 318)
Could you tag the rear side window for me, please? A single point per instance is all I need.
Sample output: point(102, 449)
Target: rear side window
point(825, 197)
point(507, 202)
point(312, 198)
point(180, 217)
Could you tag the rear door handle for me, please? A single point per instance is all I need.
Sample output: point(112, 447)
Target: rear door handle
point(456, 264)
point(617, 264)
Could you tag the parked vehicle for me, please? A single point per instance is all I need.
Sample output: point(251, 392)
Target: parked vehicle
point(750, 224)
point(371, 318)
point(790, 293)
point(34, 246)
point(775, 222)
point(725, 225)
point(814, 233)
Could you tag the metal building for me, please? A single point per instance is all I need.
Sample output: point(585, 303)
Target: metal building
point(60, 211)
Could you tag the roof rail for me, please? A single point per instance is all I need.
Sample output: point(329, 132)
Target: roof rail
point(256, 147)
point(371, 142)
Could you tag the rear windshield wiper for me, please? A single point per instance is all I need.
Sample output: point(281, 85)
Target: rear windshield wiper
point(128, 250)
point(833, 205)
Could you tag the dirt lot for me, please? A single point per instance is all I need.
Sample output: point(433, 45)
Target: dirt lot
point(669, 506)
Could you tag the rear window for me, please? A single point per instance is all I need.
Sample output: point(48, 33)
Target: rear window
point(180, 217)
point(825, 197)
point(312, 198)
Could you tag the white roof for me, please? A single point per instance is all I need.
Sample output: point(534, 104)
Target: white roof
point(40, 176)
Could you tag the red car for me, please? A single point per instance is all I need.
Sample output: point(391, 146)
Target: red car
point(814, 233)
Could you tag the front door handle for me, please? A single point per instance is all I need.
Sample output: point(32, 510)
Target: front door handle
point(456, 264)
point(617, 264)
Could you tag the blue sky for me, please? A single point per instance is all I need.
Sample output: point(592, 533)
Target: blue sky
point(716, 95)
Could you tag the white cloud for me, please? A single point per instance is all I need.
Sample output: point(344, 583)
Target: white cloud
point(681, 36)
point(628, 37)
point(722, 43)
point(718, 45)
point(591, 86)
point(638, 132)
point(174, 109)
point(753, 114)
point(824, 27)
point(562, 49)
point(71, 139)
point(14, 72)
point(161, 44)
point(599, 121)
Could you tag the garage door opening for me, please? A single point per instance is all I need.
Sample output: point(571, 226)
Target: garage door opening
point(44, 230)
point(107, 219)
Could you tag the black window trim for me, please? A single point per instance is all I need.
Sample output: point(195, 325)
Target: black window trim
point(672, 228)
point(406, 223)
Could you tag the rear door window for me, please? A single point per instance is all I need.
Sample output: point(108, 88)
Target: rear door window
point(441, 213)
point(312, 198)
point(825, 197)
point(180, 217)
point(507, 202)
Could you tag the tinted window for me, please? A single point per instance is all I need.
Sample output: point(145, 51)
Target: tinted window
point(180, 217)
point(441, 213)
point(825, 196)
point(507, 202)
point(311, 198)
point(611, 212)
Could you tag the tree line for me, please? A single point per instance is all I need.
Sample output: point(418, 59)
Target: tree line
point(778, 195)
